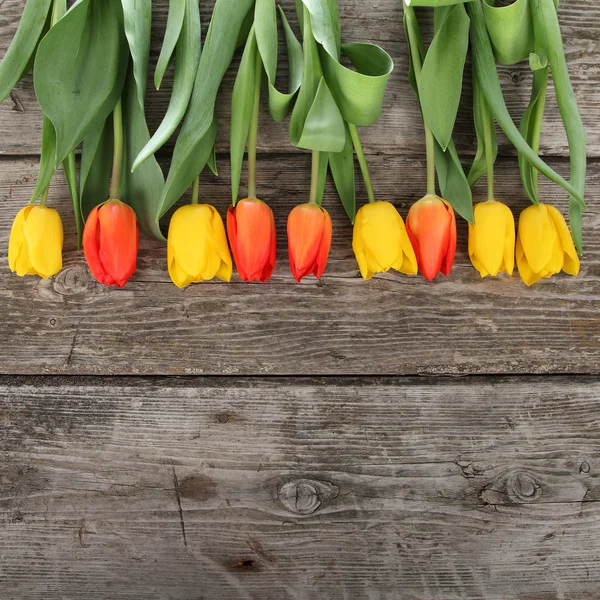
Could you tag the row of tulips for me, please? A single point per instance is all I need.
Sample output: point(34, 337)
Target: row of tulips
point(198, 249)
point(327, 101)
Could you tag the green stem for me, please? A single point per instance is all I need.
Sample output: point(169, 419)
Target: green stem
point(115, 188)
point(489, 146)
point(253, 134)
point(195, 190)
point(417, 63)
point(362, 161)
point(44, 197)
point(314, 177)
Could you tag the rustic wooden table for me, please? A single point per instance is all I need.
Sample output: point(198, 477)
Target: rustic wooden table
point(334, 439)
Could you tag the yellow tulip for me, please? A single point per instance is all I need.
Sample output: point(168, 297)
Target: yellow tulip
point(544, 244)
point(36, 242)
point(197, 246)
point(381, 242)
point(492, 239)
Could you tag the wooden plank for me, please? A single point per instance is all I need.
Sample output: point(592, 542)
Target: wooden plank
point(341, 325)
point(318, 488)
point(20, 117)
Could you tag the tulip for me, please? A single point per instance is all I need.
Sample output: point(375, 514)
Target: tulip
point(197, 246)
point(431, 226)
point(36, 241)
point(492, 239)
point(309, 240)
point(544, 244)
point(251, 230)
point(110, 242)
point(381, 242)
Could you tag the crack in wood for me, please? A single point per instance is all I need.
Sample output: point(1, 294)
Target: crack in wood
point(178, 496)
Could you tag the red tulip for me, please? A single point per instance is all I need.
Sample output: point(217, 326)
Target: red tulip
point(110, 242)
point(251, 231)
point(309, 240)
point(431, 226)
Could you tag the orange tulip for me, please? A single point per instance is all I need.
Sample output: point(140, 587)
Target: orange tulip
point(309, 240)
point(110, 242)
point(252, 236)
point(431, 226)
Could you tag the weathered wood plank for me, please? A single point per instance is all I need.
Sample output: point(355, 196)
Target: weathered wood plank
point(342, 325)
point(398, 131)
point(321, 488)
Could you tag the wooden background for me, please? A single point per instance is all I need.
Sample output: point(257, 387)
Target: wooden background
point(334, 439)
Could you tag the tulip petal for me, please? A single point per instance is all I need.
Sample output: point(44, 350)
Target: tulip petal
point(306, 226)
point(572, 264)
point(219, 238)
point(407, 261)
point(509, 242)
point(538, 236)
point(448, 261)
point(91, 249)
point(359, 248)
point(525, 271)
point(325, 246)
point(118, 240)
point(251, 229)
point(18, 256)
point(487, 238)
point(44, 238)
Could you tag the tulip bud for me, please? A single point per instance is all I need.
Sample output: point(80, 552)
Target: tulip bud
point(431, 226)
point(309, 240)
point(492, 239)
point(110, 242)
point(381, 242)
point(544, 244)
point(197, 246)
point(251, 230)
point(36, 242)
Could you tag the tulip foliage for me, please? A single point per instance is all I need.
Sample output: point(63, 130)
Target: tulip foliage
point(90, 66)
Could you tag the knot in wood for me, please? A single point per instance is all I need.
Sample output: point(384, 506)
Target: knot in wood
point(306, 496)
point(73, 280)
point(522, 487)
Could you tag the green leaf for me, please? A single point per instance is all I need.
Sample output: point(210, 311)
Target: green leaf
point(316, 122)
point(265, 24)
point(483, 60)
point(47, 159)
point(567, 104)
point(511, 30)
point(141, 190)
point(177, 10)
point(138, 29)
point(17, 60)
point(453, 182)
point(95, 168)
point(194, 147)
point(325, 21)
point(186, 65)
point(483, 120)
point(440, 85)
point(360, 93)
point(242, 103)
point(531, 129)
point(342, 170)
point(436, 3)
point(80, 69)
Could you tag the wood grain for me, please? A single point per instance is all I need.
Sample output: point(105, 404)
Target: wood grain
point(398, 130)
point(341, 325)
point(320, 488)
